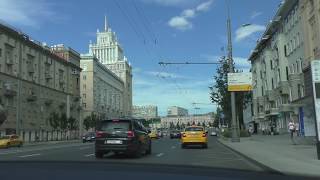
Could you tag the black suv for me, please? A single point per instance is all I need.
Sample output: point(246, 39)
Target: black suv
point(127, 136)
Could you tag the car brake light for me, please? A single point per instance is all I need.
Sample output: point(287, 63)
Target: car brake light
point(130, 134)
point(99, 134)
point(184, 135)
point(204, 134)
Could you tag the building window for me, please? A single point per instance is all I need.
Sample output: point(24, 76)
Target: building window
point(84, 87)
point(272, 84)
point(285, 50)
point(287, 73)
point(271, 66)
point(84, 95)
point(299, 91)
point(0, 52)
point(84, 77)
point(84, 105)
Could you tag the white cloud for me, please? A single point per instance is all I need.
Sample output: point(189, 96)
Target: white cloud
point(246, 31)
point(27, 13)
point(164, 74)
point(204, 6)
point(180, 23)
point(189, 13)
point(255, 14)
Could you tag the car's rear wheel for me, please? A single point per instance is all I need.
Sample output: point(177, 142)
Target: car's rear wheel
point(99, 155)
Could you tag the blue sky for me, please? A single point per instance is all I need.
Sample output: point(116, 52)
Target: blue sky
point(184, 30)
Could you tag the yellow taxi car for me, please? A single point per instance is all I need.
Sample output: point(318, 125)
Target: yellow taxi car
point(10, 141)
point(153, 135)
point(194, 135)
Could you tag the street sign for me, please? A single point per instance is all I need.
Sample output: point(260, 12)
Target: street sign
point(315, 70)
point(239, 81)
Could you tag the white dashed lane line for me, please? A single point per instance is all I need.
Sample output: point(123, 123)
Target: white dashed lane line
point(88, 155)
point(160, 154)
point(29, 155)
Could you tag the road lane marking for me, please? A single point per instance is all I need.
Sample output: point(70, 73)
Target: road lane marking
point(30, 149)
point(29, 155)
point(160, 154)
point(84, 148)
point(88, 155)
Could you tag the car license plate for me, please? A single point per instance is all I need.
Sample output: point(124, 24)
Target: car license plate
point(113, 142)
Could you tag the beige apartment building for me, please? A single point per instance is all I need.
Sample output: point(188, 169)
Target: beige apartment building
point(146, 112)
point(101, 90)
point(36, 81)
point(281, 86)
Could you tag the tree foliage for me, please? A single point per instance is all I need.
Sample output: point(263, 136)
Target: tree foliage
point(54, 120)
point(220, 94)
point(90, 121)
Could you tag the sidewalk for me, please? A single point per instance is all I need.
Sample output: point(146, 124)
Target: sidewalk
point(50, 142)
point(279, 153)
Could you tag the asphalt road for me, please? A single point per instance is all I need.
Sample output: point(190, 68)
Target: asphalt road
point(165, 151)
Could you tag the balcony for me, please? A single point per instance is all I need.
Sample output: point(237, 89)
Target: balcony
point(48, 76)
point(31, 98)
point(296, 77)
point(260, 99)
point(8, 90)
point(286, 108)
point(30, 68)
point(272, 112)
point(261, 115)
point(9, 61)
point(283, 87)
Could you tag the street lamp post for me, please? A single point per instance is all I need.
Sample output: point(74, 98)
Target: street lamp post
point(234, 128)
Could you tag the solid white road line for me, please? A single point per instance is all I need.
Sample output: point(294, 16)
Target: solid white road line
point(88, 155)
point(160, 154)
point(29, 155)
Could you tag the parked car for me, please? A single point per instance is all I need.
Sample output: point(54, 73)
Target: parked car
point(10, 141)
point(175, 134)
point(127, 136)
point(89, 137)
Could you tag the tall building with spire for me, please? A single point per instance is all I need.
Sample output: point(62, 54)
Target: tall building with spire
point(110, 53)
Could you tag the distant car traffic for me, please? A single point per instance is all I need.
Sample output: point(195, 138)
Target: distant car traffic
point(213, 133)
point(194, 135)
point(153, 135)
point(175, 134)
point(127, 136)
point(10, 141)
point(89, 137)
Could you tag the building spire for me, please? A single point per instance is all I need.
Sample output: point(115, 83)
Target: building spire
point(105, 23)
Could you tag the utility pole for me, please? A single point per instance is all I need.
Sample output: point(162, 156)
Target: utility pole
point(234, 128)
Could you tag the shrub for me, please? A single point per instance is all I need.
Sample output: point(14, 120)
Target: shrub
point(227, 133)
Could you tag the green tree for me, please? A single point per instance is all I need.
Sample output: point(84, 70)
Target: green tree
point(198, 124)
point(87, 122)
point(54, 120)
point(63, 121)
point(72, 123)
point(203, 124)
point(221, 95)
point(90, 121)
point(188, 124)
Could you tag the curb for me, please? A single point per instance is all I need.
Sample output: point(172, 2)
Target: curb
point(255, 162)
point(49, 142)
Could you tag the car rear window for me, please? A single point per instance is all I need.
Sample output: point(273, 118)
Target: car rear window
point(115, 125)
point(194, 129)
